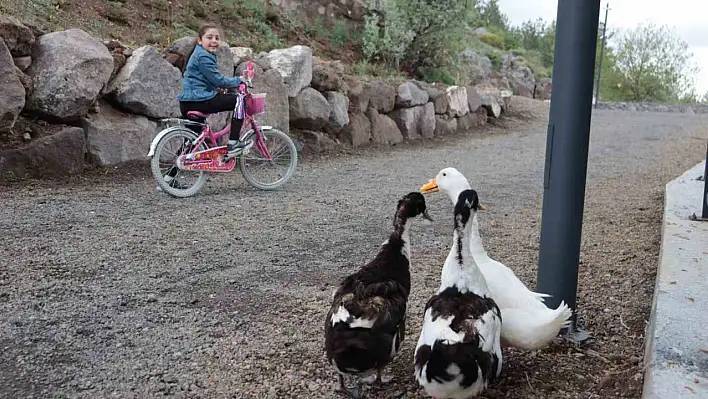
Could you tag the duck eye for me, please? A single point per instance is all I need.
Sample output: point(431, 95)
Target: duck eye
point(444, 174)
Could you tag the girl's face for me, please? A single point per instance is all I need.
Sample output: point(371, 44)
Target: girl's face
point(210, 40)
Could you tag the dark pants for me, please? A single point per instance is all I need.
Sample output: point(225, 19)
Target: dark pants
point(220, 103)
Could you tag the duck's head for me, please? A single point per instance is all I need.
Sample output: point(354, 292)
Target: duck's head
point(412, 205)
point(451, 182)
point(465, 207)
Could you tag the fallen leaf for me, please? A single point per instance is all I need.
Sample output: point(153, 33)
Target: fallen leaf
point(704, 350)
point(691, 299)
point(689, 388)
point(672, 282)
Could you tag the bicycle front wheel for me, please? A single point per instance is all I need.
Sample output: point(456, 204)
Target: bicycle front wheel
point(267, 174)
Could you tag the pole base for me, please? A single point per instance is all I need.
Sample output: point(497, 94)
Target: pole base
point(697, 219)
point(575, 334)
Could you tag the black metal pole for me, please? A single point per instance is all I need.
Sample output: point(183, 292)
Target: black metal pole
point(602, 55)
point(567, 152)
point(704, 213)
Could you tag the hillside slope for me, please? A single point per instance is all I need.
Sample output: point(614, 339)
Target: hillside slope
point(249, 23)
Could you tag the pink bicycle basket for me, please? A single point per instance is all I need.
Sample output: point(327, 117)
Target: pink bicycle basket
point(256, 104)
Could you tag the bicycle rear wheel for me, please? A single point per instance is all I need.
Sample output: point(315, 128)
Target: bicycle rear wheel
point(177, 183)
point(267, 174)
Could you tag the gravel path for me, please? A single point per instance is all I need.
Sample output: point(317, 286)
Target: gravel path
point(108, 287)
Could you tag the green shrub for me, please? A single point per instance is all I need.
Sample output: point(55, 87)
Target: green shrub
point(493, 40)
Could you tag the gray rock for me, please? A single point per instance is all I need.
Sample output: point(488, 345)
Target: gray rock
point(439, 99)
point(457, 100)
point(23, 62)
point(309, 110)
point(147, 85)
point(416, 122)
point(18, 37)
point(474, 100)
point(69, 70)
point(543, 89)
point(317, 142)
point(339, 104)
point(410, 94)
point(382, 96)
point(472, 120)
point(59, 154)
point(241, 54)
point(12, 93)
point(114, 137)
point(445, 126)
point(383, 129)
point(358, 131)
point(327, 76)
point(358, 97)
point(277, 104)
point(294, 65)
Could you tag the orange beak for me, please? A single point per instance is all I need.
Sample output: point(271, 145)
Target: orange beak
point(430, 187)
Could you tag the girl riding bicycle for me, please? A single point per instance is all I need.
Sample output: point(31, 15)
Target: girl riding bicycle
point(201, 80)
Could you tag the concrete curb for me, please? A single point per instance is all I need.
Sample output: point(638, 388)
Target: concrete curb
point(676, 343)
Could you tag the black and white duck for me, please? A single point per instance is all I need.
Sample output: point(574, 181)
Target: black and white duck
point(366, 323)
point(459, 350)
point(528, 323)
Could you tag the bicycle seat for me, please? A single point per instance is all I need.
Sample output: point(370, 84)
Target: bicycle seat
point(197, 115)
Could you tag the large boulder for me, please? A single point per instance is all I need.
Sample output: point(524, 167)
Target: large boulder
point(327, 75)
point(309, 110)
point(69, 70)
point(410, 94)
point(241, 54)
point(59, 154)
point(474, 100)
point(457, 100)
point(358, 97)
point(295, 66)
point(113, 137)
point(12, 93)
point(179, 51)
point(147, 85)
point(18, 37)
point(472, 120)
point(316, 142)
point(416, 122)
point(439, 100)
point(445, 126)
point(382, 96)
point(477, 68)
point(543, 89)
point(358, 131)
point(522, 81)
point(23, 63)
point(277, 104)
point(491, 101)
point(339, 104)
point(383, 129)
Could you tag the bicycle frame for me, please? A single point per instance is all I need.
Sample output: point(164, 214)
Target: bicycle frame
point(213, 137)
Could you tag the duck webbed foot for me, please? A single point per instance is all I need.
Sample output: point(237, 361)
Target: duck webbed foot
point(354, 393)
point(378, 379)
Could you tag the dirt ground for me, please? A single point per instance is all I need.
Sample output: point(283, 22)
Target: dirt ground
point(108, 287)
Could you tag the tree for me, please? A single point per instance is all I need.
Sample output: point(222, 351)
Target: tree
point(491, 16)
point(653, 64)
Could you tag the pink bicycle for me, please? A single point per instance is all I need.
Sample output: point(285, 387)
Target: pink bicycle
point(188, 150)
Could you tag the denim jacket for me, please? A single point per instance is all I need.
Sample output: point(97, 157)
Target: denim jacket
point(202, 77)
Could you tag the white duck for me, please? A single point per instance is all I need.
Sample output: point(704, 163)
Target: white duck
point(459, 350)
point(528, 323)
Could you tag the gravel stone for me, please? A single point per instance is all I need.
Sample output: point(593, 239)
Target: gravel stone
point(110, 288)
